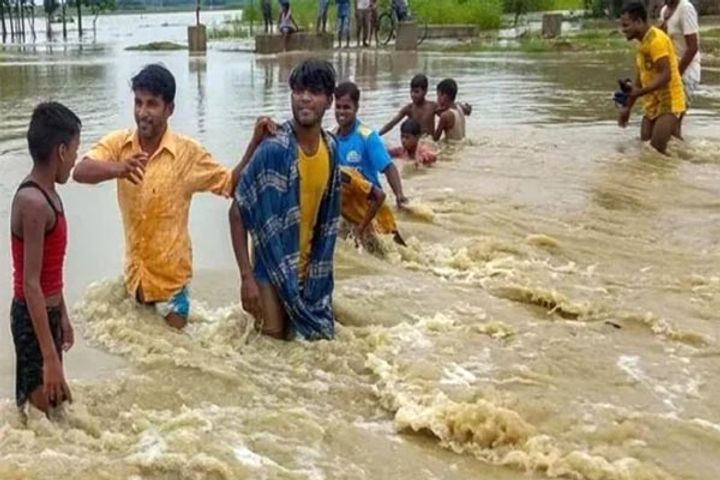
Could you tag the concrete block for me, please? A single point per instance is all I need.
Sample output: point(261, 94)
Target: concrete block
point(453, 31)
point(267, 43)
point(197, 39)
point(552, 25)
point(407, 35)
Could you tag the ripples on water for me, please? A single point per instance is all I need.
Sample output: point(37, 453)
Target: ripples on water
point(554, 312)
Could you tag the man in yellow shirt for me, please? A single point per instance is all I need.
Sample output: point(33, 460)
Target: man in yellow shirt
point(288, 199)
point(157, 173)
point(658, 78)
point(364, 207)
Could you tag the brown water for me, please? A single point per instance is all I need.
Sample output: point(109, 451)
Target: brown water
point(555, 313)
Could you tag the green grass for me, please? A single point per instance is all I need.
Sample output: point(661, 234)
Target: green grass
point(156, 47)
point(233, 28)
point(485, 13)
point(585, 41)
point(567, 5)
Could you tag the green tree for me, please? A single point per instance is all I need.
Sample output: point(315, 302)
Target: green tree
point(601, 8)
point(2, 19)
point(78, 4)
point(50, 7)
point(521, 7)
point(97, 7)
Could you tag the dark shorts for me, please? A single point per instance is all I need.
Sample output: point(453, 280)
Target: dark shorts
point(28, 356)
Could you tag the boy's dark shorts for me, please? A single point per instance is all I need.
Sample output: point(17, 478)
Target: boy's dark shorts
point(29, 359)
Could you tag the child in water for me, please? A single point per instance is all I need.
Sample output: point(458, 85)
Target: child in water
point(420, 109)
point(411, 148)
point(40, 324)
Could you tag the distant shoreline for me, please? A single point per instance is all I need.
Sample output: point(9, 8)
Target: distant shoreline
point(173, 9)
point(72, 13)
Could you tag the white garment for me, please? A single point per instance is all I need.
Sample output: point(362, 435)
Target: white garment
point(684, 21)
point(363, 4)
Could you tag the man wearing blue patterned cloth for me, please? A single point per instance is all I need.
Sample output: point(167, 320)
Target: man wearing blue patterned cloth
point(288, 199)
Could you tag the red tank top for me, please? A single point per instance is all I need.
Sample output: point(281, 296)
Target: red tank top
point(54, 248)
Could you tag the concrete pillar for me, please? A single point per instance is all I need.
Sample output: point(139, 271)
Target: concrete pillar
point(197, 39)
point(407, 34)
point(266, 43)
point(552, 25)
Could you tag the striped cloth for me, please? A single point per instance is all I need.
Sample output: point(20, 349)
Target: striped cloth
point(268, 196)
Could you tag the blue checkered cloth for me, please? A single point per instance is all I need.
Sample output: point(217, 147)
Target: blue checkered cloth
point(268, 196)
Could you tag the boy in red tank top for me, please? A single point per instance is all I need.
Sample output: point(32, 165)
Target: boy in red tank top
point(40, 325)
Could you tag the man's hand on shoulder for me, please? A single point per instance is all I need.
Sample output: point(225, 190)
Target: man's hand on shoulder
point(265, 127)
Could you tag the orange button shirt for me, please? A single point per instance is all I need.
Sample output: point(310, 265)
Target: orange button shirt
point(158, 252)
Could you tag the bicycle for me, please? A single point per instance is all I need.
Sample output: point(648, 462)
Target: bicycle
point(386, 24)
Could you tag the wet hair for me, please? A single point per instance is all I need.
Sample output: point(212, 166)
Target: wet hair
point(636, 11)
point(448, 87)
point(410, 127)
point(317, 76)
point(348, 88)
point(157, 80)
point(51, 124)
point(419, 81)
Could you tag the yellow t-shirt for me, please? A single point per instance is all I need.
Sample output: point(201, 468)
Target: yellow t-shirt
point(314, 177)
point(670, 99)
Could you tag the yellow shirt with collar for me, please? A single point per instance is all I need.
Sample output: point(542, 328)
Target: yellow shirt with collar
point(155, 214)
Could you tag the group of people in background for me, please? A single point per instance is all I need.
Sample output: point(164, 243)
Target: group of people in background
point(366, 18)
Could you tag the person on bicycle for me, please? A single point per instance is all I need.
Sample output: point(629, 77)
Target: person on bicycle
point(402, 12)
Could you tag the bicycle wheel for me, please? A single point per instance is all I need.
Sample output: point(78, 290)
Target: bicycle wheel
point(422, 29)
point(385, 30)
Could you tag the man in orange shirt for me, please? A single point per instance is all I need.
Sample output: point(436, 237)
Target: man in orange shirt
point(157, 173)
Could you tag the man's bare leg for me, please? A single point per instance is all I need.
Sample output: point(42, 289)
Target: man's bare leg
point(646, 129)
point(678, 130)
point(172, 319)
point(663, 129)
point(274, 318)
point(38, 400)
point(175, 321)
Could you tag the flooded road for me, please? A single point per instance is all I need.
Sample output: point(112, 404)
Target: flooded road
point(556, 311)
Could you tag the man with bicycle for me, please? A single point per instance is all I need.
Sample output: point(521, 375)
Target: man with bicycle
point(401, 9)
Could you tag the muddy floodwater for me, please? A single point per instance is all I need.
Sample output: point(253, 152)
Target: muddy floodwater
point(556, 313)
